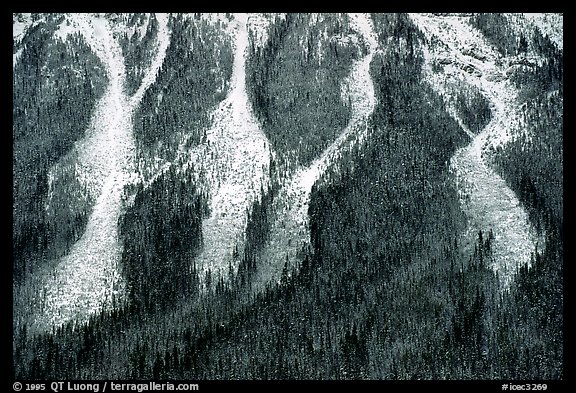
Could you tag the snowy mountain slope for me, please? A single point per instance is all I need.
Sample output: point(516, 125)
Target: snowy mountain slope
point(234, 161)
point(290, 232)
point(231, 166)
point(486, 199)
point(88, 277)
point(366, 193)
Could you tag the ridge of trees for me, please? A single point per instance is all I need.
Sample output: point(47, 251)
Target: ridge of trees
point(138, 51)
point(162, 233)
point(473, 108)
point(294, 84)
point(193, 78)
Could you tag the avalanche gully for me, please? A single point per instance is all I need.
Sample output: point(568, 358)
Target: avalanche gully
point(88, 277)
point(485, 198)
point(234, 160)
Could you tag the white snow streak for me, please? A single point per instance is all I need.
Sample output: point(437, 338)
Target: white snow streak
point(88, 277)
point(486, 199)
point(235, 163)
point(16, 57)
point(290, 230)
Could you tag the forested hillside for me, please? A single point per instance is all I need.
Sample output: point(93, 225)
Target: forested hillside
point(396, 278)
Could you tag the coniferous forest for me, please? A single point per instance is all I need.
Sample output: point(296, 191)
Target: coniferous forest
point(396, 280)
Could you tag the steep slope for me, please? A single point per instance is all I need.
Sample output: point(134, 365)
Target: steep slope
point(230, 165)
point(486, 199)
point(88, 278)
point(387, 292)
point(290, 231)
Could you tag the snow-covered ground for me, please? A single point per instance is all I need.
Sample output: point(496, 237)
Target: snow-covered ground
point(485, 198)
point(235, 164)
point(88, 277)
point(19, 26)
point(290, 229)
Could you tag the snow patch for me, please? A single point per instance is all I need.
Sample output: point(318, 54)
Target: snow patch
point(21, 25)
point(64, 30)
point(16, 57)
